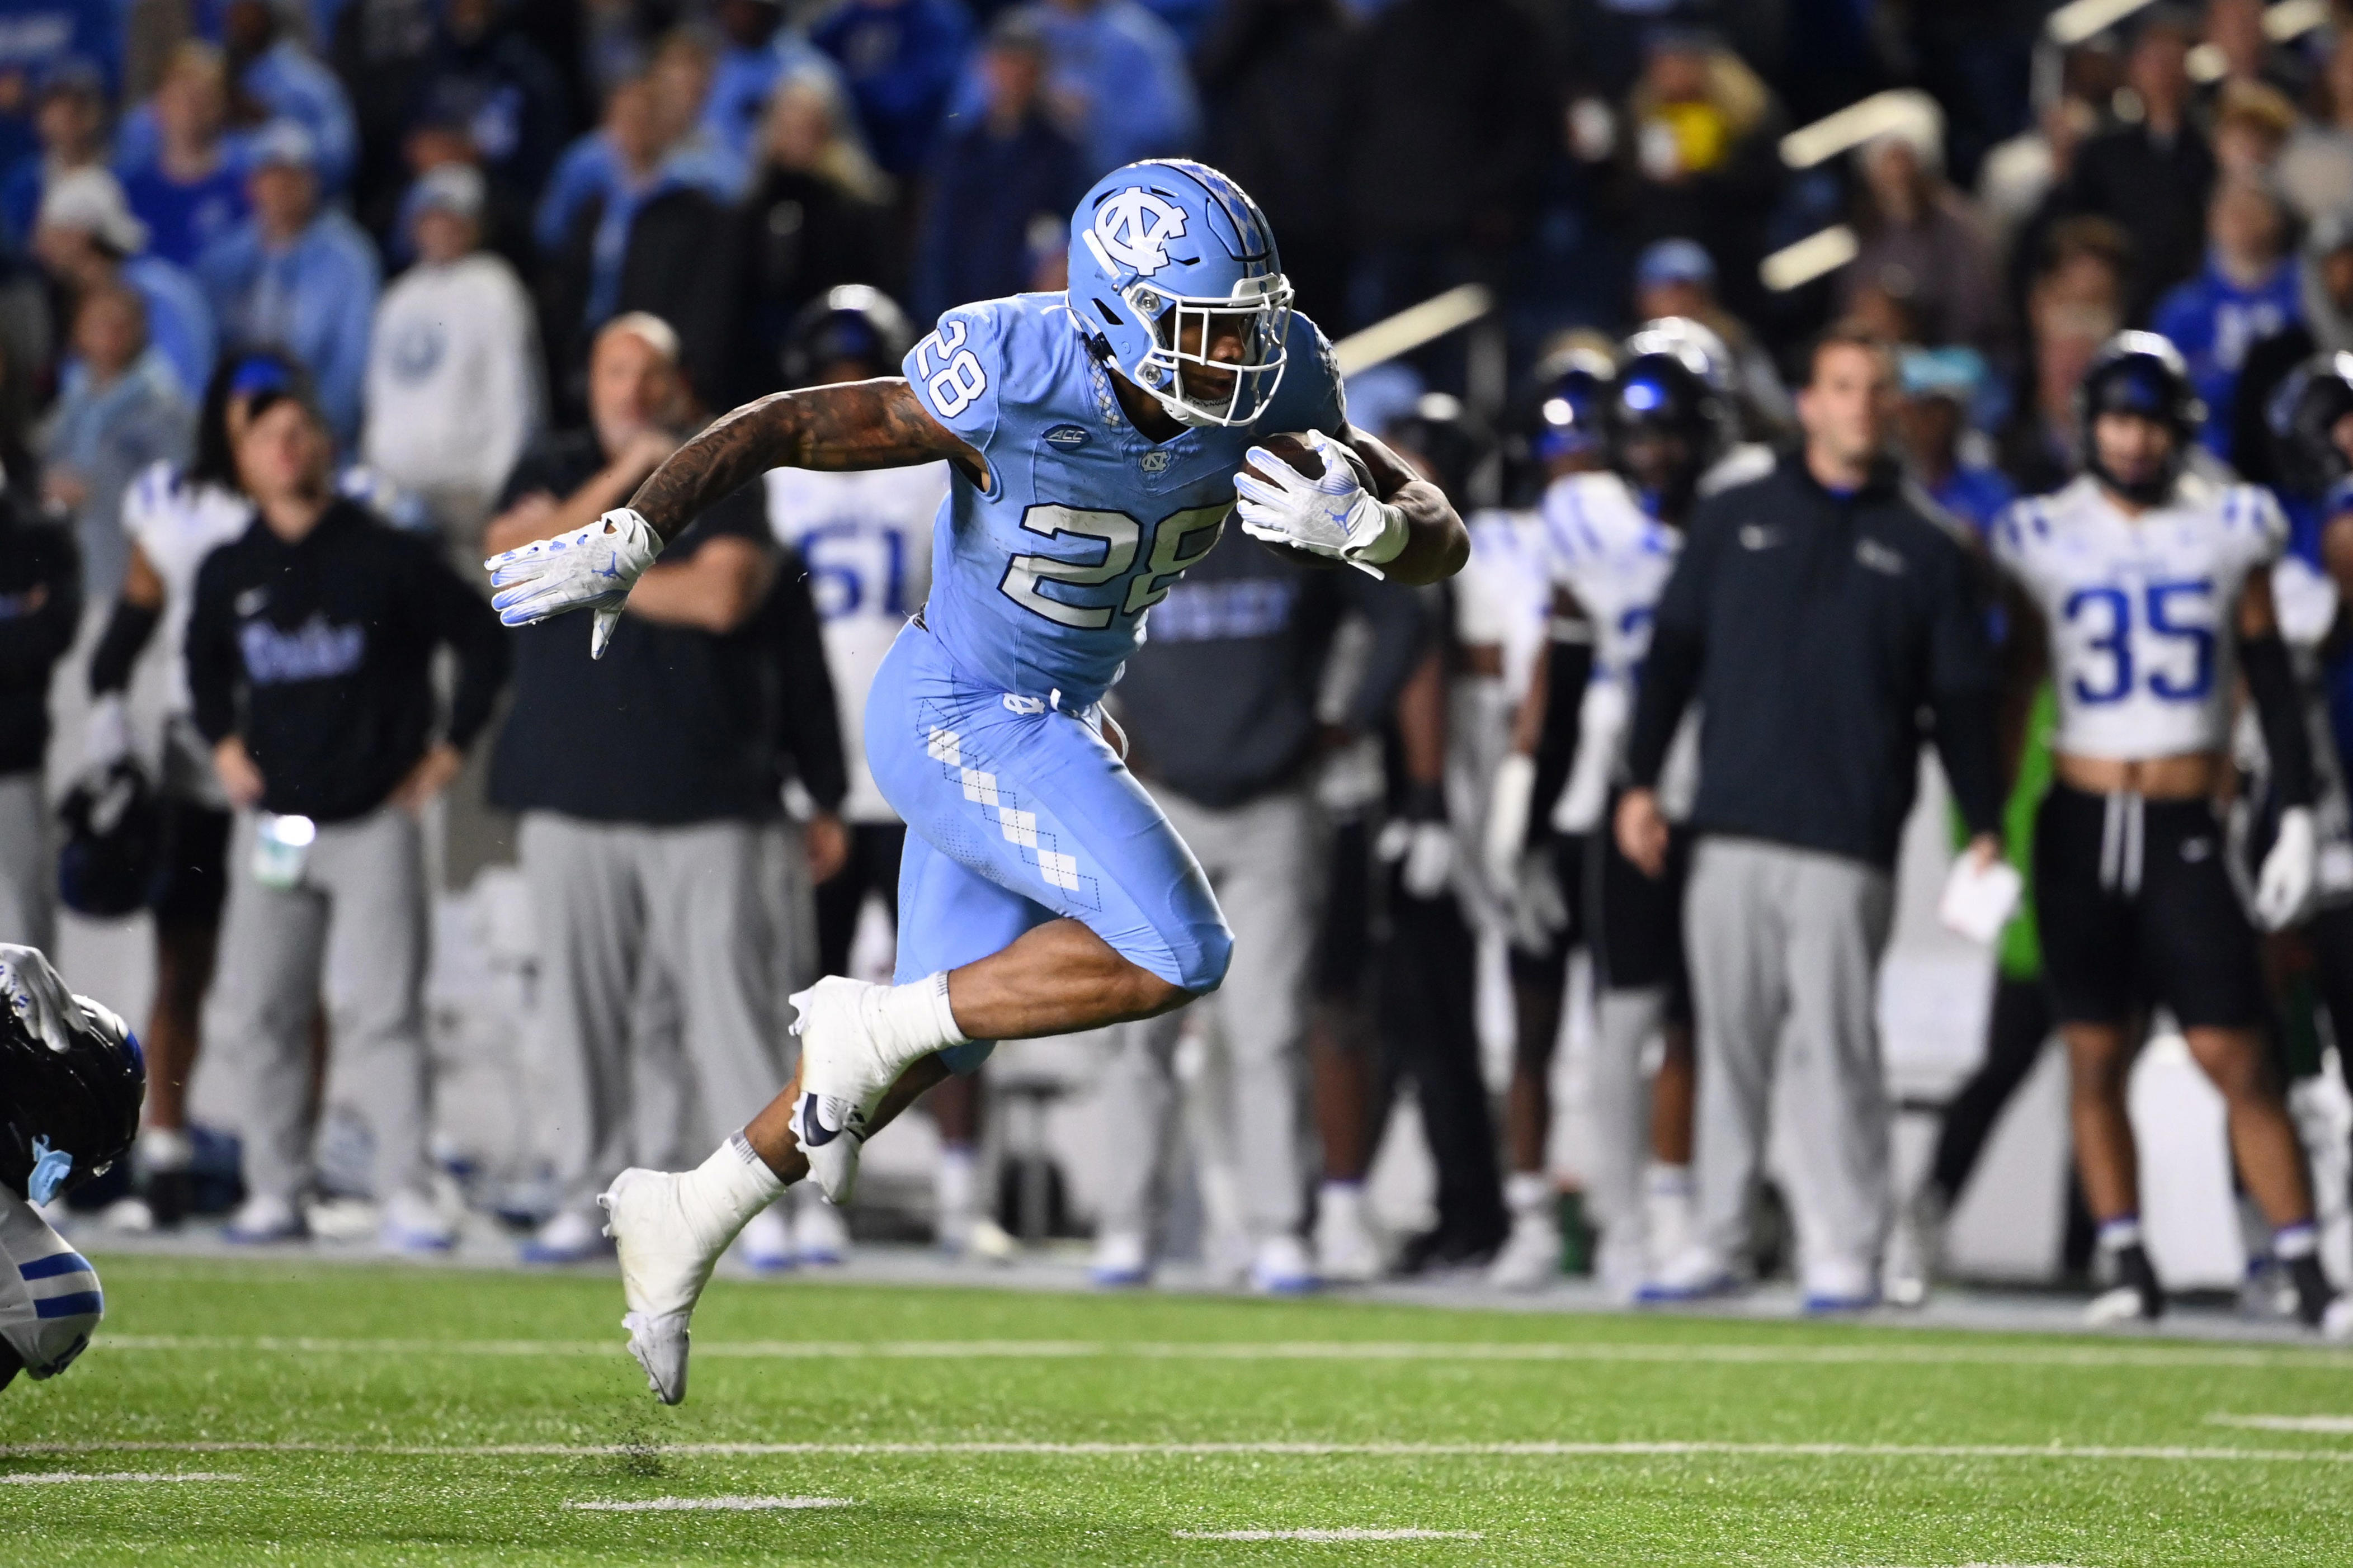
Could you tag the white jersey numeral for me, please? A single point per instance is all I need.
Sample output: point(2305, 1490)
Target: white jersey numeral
point(1119, 534)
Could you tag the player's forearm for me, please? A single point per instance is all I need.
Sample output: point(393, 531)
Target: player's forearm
point(853, 424)
point(1436, 544)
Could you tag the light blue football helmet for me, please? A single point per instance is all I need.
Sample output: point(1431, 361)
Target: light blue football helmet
point(1167, 258)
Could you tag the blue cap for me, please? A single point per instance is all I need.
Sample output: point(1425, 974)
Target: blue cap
point(1954, 372)
point(1674, 261)
point(281, 142)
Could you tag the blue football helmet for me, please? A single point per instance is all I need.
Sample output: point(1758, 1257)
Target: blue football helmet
point(1167, 256)
point(1570, 391)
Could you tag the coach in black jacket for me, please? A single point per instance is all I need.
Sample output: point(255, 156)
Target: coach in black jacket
point(1816, 615)
point(309, 660)
point(40, 604)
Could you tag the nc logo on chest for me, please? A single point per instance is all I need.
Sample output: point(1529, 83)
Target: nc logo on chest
point(1155, 462)
point(1132, 230)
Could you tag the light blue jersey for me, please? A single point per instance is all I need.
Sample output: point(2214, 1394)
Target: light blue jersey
point(1041, 584)
point(981, 727)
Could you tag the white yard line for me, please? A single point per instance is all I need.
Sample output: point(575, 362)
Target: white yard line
point(2326, 1425)
point(719, 1504)
point(67, 1477)
point(1344, 1533)
point(1528, 1450)
point(1578, 1352)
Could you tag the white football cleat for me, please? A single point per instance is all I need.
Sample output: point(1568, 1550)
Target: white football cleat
point(1531, 1256)
point(2120, 1304)
point(844, 1075)
point(1914, 1247)
point(820, 1233)
point(2336, 1323)
point(764, 1244)
point(665, 1260)
point(1346, 1250)
point(1281, 1267)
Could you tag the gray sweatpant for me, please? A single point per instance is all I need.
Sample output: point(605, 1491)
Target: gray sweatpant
point(1784, 946)
point(612, 900)
point(1262, 858)
point(357, 924)
point(28, 873)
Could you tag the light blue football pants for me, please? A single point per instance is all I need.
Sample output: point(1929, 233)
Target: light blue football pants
point(1018, 813)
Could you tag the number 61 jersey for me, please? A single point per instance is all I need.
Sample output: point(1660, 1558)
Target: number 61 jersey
point(1041, 582)
point(2141, 610)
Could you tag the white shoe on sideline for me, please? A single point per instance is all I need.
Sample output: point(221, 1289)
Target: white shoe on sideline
point(843, 1076)
point(1530, 1260)
point(2336, 1323)
point(1281, 1267)
point(764, 1244)
point(665, 1262)
point(568, 1237)
point(263, 1219)
point(1694, 1274)
point(991, 1243)
point(412, 1222)
point(820, 1233)
point(1914, 1246)
point(1122, 1260)
point(1621, 1263)
point(1346, 1250)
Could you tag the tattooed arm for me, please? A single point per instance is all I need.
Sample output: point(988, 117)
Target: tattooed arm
point(850, 425)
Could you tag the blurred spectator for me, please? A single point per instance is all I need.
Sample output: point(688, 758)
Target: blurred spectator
point(699, 147)
point(2247, 292)
point(2019, 175)
point(1693, 146)
point(1807, 762)
point(2252, 123)
point(756, 50)
point(2076, 301)
point(1449, 119)
point(494, 83)
point(2234, 32)
point(1115, 83)
point(1003, 185)
point(2316, 168)
point(1922, 244)
point(40, 610)
point(1677, 278)
point(87, 238)
point(191, 192)
point(901, 60)
point(70, 119)
point(635, 870)
point(124, 411)
point(310, 656)
point(276, 78)
point(2323, 324)
point(297, 277)
point(36, 35)
point(818, 215)
point(2152, 175)
point(1272, 73)
point(1221, 711)
point(1932, 430)
point(453, 366)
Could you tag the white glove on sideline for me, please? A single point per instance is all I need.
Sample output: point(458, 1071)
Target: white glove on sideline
point(2285, 881)
point(1334, 515)
point(593, 569)
point(32, 989)
point(1513, 794)
point(106, 740)
point(1427, 852)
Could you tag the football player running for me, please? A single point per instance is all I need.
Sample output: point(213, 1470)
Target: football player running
point(2153, 585)
point(1095, 437)
point(71, 1081)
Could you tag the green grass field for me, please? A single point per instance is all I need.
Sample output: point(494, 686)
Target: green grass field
point(382, 1414)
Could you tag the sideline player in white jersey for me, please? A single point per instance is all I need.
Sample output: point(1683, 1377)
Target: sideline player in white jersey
point(1611, 538)
point(70, 1083)
point(2153, 588)
point(866, 537)
point(175, 517)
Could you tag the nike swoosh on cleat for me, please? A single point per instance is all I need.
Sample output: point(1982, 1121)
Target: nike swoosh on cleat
point(814, 1132)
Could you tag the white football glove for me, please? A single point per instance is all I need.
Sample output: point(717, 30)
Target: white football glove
point(593, 569)
point(2285, 881)
point(1426, 850)
point(1507, 820)
point(32, 989)
point(106, 739)
point(1334, 515)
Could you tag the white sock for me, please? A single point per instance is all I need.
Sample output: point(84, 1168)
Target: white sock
point(722, 1195)
point(1665, 1181)
point(1336, 1198)
point(1528, 1193)
point(958, 1178)
point(166, 1148)
point(913, 1020)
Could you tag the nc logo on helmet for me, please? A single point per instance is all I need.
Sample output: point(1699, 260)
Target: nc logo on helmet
point(1133, 229)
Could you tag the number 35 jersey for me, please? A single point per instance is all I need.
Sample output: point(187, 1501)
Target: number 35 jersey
point(2141, 610)
point(1042, 581)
